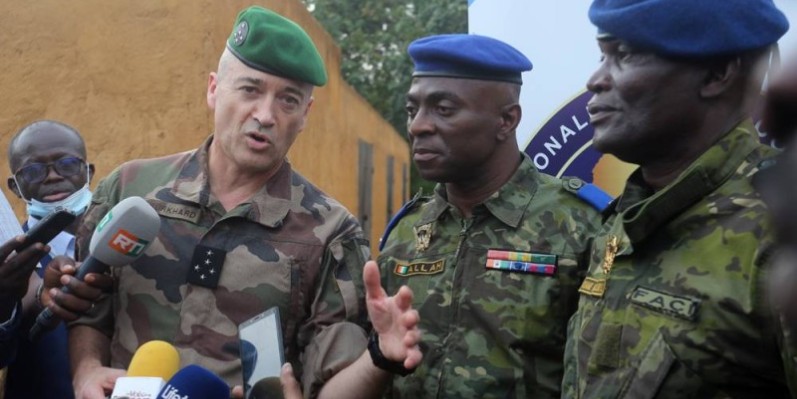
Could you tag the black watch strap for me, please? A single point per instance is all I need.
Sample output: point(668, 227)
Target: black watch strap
point(381, 361)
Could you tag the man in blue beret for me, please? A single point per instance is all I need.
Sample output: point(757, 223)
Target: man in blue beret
point(493, 254)
point(674, 303)
point(241, 232)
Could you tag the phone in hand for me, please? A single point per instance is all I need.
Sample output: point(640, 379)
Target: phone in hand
point(47, 228)
point(262, 355)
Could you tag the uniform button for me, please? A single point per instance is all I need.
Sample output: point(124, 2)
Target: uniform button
point(575, 184)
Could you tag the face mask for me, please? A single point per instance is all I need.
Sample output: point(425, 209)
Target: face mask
point(75, 203)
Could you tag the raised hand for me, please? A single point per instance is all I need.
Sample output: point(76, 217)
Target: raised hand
point(393, 319)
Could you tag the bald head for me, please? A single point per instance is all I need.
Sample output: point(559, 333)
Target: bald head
point(37, 135)
point(56, 146)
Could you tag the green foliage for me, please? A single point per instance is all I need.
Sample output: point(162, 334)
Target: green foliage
point(373, 36)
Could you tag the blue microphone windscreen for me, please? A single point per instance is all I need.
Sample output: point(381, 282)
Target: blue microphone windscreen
point(194, 382)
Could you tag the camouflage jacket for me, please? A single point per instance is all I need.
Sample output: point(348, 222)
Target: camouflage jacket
point(672, 306)
point(291, 246)
point(491, 333)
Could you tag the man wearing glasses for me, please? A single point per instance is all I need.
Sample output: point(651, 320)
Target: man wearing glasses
point(49, 171)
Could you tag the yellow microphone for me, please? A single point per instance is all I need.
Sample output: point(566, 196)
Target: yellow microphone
point(152, 365)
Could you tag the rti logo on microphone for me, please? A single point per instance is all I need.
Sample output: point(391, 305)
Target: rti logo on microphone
point(171, 392)
point(127, 243)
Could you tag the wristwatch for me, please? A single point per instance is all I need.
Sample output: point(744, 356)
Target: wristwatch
point(381, 361)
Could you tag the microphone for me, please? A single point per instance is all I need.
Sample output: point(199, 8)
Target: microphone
point(194, 382)
point(152, 365)
point(119, 238)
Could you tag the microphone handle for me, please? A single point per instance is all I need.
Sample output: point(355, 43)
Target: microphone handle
point(46, 320)
point(90, 265)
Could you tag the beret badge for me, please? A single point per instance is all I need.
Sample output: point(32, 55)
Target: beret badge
point(240, 33)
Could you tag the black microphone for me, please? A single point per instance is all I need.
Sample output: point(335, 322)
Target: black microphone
point(120, 238)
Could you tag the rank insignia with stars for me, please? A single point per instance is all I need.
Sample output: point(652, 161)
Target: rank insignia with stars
point(240, 33)
point(206, 265)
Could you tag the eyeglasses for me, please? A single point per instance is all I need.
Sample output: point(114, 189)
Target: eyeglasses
point(37, 172)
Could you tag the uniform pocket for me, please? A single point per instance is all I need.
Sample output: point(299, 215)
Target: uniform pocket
point(651, 371)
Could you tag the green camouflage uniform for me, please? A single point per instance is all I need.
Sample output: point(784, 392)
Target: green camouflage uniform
point(490, 333)
point(680, 311)
point(292, 246)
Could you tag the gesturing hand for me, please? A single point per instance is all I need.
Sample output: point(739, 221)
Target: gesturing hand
point(393, 319)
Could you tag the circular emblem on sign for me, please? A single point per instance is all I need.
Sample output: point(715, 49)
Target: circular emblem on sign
point(240, 33)
point(563, 147)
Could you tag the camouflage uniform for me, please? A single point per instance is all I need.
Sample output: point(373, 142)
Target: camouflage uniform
point(679, 312)
point(292, 246)
point(490, 333)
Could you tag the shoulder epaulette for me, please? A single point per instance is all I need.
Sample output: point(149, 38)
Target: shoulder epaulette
point(397, 217)
point(588, 193)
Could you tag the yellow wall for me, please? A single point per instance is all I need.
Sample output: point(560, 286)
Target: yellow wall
point(131, 77)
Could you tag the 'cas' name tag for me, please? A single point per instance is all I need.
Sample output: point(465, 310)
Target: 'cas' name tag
point(521, 262)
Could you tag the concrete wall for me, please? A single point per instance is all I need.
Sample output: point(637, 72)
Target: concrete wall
point(131, 77)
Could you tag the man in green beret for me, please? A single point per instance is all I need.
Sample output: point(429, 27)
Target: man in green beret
point(241, 232)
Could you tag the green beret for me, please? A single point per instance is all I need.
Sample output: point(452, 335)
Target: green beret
point(269, 42)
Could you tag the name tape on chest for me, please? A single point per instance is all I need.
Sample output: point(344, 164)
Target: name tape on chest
point(176, 211)
point(419, 268)
point(521, 262)
point(674, 305)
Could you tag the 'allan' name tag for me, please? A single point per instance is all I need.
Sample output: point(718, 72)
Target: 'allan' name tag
point(420, 268)
point(673, 305)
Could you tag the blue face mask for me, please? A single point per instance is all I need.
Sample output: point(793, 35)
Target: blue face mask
point(75, 203)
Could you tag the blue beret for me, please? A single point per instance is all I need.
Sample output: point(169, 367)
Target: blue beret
point(691, 28)
point(469, 57)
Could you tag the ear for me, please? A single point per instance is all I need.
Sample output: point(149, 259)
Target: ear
point(12, 185)
point(510, 118)
point(309, 105)
point(720, 78)
point(91, 172)
point(306, 112)
point(213, 85)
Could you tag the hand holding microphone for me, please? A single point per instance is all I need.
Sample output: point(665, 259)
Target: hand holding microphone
point(119, 239)
point(69, 306)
